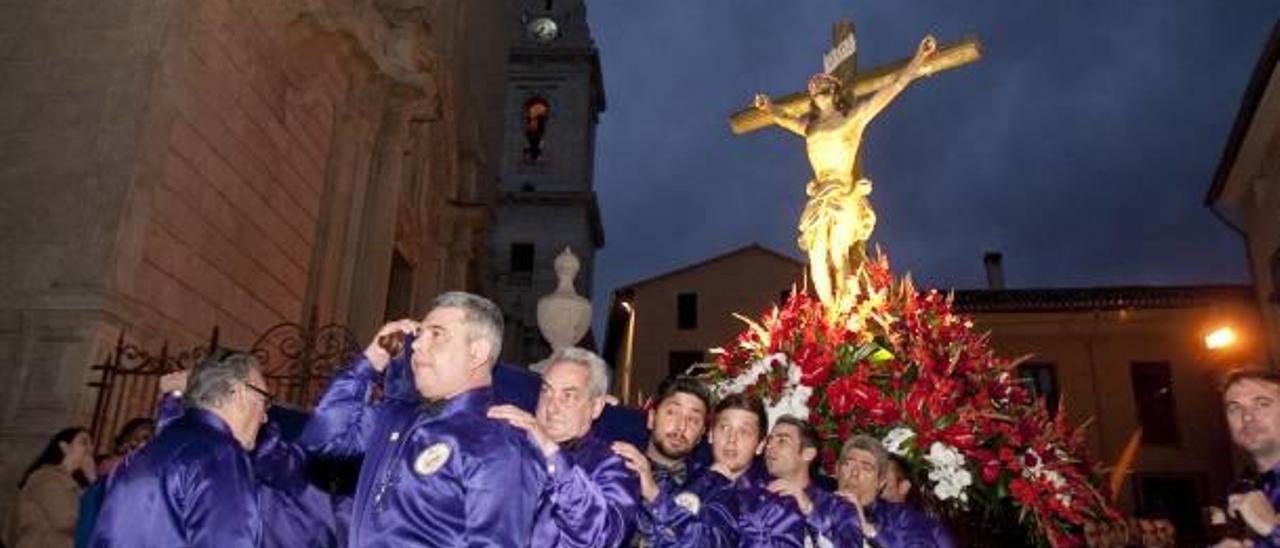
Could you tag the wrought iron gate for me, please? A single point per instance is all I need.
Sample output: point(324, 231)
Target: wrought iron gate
point(297, 362)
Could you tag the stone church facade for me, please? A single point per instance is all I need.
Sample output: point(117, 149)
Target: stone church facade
point(169, 167)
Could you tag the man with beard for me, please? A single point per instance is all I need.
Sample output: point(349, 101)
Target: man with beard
point(789, 454)
point(1251, 400)
point(437, 471)
point(727, 506)
point(590, 499)
point(676, 424)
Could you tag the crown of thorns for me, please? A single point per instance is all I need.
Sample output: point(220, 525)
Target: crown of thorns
point(823, 81)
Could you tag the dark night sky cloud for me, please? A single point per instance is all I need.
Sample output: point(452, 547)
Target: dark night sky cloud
point(1081, 145)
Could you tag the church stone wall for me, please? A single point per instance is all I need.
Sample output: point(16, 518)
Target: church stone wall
point(168, 167)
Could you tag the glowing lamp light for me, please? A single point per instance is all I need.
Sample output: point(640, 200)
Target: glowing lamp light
point(1220, 338)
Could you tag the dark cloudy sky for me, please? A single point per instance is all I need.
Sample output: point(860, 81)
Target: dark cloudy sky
point(1080, 146)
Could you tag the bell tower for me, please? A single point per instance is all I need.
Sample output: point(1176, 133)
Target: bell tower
point(546, 199)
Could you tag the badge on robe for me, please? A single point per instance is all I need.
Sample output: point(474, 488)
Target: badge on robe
point(689, 501)
point(431, 459)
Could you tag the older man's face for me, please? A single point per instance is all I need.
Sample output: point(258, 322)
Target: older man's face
point(1253, 414)
point(566, 407)
point(857, 473)
point(444, 354)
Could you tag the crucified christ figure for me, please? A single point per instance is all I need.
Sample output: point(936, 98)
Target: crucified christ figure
point(838, 219)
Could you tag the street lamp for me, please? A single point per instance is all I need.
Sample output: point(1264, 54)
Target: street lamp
point(1220, 339)
point(626, 351)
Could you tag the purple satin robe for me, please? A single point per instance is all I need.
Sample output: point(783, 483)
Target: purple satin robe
point(590, 499)
point(432, 475)
point(192, 485)
point(1269, 484)
point(294, 512)
point(702, 514)
point(897, 525)
point(766, 520)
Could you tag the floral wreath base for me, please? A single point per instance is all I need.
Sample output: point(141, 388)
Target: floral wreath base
point(901, 365)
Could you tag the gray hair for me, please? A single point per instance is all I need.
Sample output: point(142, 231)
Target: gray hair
point(870, 444)
point(586, 358)
point(214, 378)
point(480, 314)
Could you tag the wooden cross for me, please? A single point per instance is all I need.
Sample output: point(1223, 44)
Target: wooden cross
point(856, 84)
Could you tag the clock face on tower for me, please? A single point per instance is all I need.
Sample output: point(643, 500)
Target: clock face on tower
point(543, 29)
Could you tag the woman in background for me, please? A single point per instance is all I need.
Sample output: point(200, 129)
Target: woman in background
point(49, 492)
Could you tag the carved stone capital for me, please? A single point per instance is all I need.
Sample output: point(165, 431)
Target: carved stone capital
point(394, 35)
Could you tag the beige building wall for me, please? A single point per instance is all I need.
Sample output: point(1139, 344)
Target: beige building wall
point(1246, 188)
point(1092, 352)
point(746, 281)
point(169, 167)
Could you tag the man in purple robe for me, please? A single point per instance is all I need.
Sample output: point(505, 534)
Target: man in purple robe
point(856, 516)
point(294, 509)
point(193, 485)
point(590, 498)
point(1251, 400)
point(676, 424)
point(436, 471)
point(789, 455)
point(728, 506)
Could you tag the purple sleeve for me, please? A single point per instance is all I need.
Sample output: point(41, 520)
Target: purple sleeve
point(218, 503)
point(901, 526)
point(774, 525)
point(343, 421)
point(595, 510)
point(712, 526)
point(502, 487)
point(168, 409)
point(835, 520)
point(279, 464)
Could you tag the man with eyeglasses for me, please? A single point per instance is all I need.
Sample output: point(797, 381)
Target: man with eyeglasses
point(295, 495)
point(193, 485)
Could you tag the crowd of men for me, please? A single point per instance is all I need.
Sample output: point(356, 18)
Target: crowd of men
point(441, 457)
point(445, 460)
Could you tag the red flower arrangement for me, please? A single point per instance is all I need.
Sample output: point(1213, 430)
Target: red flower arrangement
point(901, 365)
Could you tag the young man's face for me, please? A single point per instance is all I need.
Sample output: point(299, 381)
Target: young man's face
point(735, 440)
point(677, 424)
point(784, 455)
point(1253, 414)
point(896, 484)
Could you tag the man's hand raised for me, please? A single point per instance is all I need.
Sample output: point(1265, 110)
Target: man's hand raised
point(377, 355)
point(638, 463)
point(519, 418)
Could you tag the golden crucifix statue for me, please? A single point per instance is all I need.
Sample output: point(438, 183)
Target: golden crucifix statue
point(838, 218)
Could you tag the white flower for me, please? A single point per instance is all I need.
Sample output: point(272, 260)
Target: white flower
point(948, 472)
point(748, 377)
point(944, 456)
point(794, 402)
point(894, 440)
point(794, 399)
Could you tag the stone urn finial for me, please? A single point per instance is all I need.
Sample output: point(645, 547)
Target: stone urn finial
point(563, 316)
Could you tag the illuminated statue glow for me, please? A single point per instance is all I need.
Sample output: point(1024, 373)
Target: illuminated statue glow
point(838, 218)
